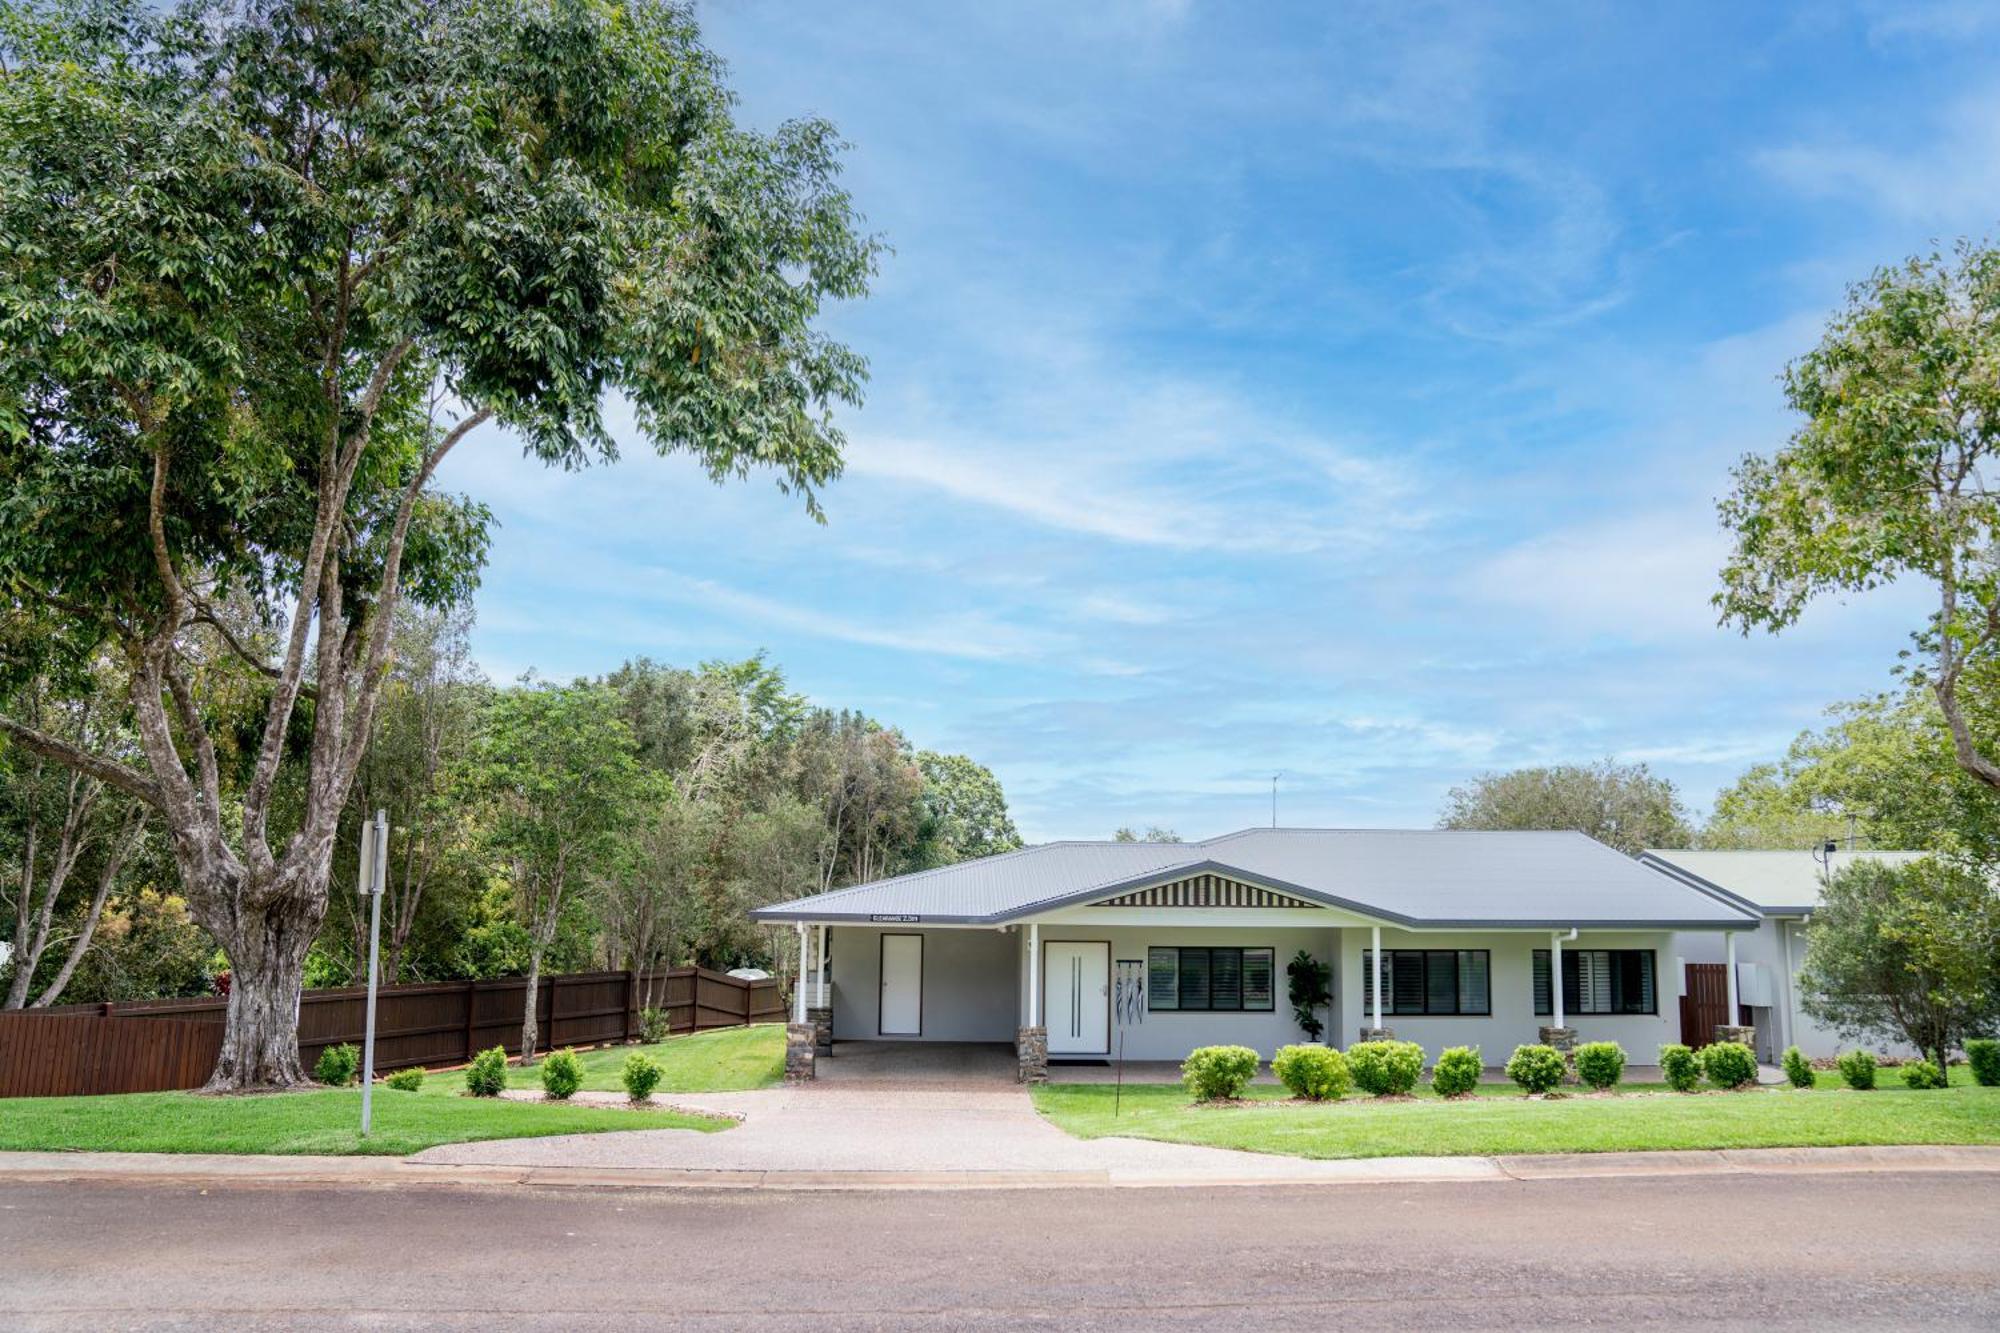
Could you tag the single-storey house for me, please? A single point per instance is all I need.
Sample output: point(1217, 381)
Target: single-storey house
point(1782, 888)
point(1144, 951)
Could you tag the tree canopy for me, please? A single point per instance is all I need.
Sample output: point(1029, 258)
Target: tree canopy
point(1885, 478)
point(267, 265)
point(1881, 772)
point(1907, 953)
point(1623, 805)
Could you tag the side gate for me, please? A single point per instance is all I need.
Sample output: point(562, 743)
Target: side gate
point(1704, 1003)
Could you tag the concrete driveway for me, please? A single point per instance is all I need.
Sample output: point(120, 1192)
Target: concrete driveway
point(831, 1126)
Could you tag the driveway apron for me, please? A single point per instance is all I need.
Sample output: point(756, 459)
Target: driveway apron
point(887, 1127)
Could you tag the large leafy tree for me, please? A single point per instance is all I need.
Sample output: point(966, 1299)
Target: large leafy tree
point(556, 771)
point(1889, 477)
point(68, 840)
point(1908, 953)
point(1624, 805)
point(965, 811)
point(417, 769)
point(266, 265)
point(1882, 772)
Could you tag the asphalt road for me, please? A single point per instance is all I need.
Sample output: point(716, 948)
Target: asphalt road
point(1768, 1251)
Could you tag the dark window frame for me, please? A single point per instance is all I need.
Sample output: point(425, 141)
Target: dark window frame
point(1621, 972)
point(1421, 989)
point(1207, 971)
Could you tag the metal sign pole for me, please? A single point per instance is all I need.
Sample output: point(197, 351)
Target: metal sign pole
point(374, 871)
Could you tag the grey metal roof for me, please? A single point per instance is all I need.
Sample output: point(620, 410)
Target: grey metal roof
point(1775, 883)
point(1417, 877)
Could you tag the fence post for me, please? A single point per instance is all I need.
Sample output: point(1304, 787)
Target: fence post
point(471, 1009)
point(749, 1002)
point(631, 1000)
point(552, 1011)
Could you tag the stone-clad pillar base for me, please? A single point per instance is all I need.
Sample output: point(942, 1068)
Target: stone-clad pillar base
point(1729, 1032)
point(1031, 1046)
point(822, 1025)
point(1562, 1040)
point(1378, 1034)
point(799, 1052)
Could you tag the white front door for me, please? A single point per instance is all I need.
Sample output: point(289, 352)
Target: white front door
point(1076, 997)
point(902, 986)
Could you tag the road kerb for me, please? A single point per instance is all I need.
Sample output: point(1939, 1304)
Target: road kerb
point(219, 1170)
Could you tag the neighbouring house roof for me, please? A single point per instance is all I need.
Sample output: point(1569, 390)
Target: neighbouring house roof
point(1414, 877)
point(1781, 883)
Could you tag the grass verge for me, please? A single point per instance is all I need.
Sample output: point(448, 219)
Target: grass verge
point(288, 1123)
point(1491, 1125)
point(726, 1060)
point(328, 1121)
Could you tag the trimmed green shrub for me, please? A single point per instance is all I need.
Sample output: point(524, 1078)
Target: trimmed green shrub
point(1922, 1075)
point(1219, 1073)
point(486, 1076)
point(1536, 1068)
point(406, 1080)
point(562, 1074)
point(1857, 1068)
point(1600, 1064)
point(1679, 1067)
point(1983, 1054)
point(1729, 1064)
point(1317, 1073)
point(1799, 1069)
point(641, 1075)
point(1457, 1071)
point(1386, 1068)
point(654, 1026)
point(338, 1066)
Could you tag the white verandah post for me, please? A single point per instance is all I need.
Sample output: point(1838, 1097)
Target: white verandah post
point(1729, 958)
point(1034, 974)
point(799, 990)
point(822, 975)
point(1375, 946)
point(1556, 977)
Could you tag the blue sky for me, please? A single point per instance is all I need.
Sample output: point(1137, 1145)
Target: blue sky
point(1340, 392)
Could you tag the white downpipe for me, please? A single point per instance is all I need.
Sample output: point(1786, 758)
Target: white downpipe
point(1788, 1036)
point(799, 991)
point(1034, 974)
point(1729, 956)
point(1375, 945)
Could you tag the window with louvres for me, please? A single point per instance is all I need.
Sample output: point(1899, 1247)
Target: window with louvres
point(1600, 981)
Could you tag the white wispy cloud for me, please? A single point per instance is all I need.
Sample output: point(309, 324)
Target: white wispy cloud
point(1949, 174)
point(964, 634)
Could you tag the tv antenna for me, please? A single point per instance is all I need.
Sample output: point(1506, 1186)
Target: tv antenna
point(1274, 800)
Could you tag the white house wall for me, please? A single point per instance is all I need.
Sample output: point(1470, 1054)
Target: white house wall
point(975, 985)
point(1783, 1022)
point(1170, 1035)
point(1512, 980)
point(969, 986)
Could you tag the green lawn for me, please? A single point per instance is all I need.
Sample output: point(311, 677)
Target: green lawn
point(303, 1122)
point(726, 1060)
point(328, 1121)
point(1502, 1121)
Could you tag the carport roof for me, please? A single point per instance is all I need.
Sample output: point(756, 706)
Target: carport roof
point(1412, 877)
point(1776, 883)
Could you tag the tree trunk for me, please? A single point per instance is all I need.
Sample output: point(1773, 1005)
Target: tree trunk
point(267, 954)
point(529, 1033)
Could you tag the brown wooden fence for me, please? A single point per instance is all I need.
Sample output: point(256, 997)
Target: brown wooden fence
point(57, 1055)
point(145, 1046)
